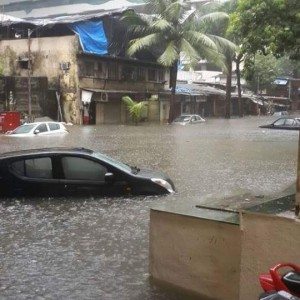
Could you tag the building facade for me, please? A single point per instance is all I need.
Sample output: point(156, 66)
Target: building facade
point(54, 51)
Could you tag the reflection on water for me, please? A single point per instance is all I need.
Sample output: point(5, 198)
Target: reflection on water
point(98, 248)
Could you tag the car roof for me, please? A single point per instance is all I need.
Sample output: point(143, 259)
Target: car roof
point(38, 123)
point(60, 150)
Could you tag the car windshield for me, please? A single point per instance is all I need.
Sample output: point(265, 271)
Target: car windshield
point(24, 129)
point(113, 162)
point(279, 122)
point(182, 119)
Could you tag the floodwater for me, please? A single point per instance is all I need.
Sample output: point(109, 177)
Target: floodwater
point(97, 248)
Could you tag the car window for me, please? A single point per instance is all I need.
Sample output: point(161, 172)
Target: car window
point(78, 168)
point(38, 168)
point(194, 119)
point(33, 168)
point(182, 119)
point(53, 126)
point(289, 122)
point(199, 118)
point(23, 129)
point(279, 122)
point(18, 167)
point(111, 161)
point(42, 128)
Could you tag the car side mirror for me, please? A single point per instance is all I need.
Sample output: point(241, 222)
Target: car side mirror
point(36, 131)
point(109, 177)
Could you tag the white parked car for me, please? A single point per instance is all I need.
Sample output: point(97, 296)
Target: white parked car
point(188, 119)
point(39, 128)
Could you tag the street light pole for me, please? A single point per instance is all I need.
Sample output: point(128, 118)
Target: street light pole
point(297, 202)
point(29, 77)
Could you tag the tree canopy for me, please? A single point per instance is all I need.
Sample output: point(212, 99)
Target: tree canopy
point(269, 26)
point(175, 28)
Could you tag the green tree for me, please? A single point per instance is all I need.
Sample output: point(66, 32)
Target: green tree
point(175, 29)
point(261, 70)
point(230, 53)
point(230, 7)
point(288, 67)
point(264, 27)
point(269, 26)
point(135, 108)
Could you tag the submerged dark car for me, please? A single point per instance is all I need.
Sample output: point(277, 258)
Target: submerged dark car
point(284, 123)
point(75, 172)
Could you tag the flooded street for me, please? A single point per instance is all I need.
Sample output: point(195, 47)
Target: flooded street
point(97, 248)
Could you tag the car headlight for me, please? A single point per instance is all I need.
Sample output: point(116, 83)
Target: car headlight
point(163, 183)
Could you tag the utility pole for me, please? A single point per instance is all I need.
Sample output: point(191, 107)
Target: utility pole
point(29, 77)
point(297, 202)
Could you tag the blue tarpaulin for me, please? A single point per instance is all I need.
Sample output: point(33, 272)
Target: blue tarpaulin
point(92, 36)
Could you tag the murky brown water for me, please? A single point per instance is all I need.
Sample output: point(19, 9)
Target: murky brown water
point(98, 248)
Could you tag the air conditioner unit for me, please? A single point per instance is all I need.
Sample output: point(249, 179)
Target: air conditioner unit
point(104, 97)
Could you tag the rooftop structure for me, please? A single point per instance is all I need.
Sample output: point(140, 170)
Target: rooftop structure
point(54, 8)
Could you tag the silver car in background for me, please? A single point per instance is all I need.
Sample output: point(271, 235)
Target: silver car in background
point(38, 128)
point(188, 119)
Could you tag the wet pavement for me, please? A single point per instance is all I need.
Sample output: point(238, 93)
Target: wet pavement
point(97, 248)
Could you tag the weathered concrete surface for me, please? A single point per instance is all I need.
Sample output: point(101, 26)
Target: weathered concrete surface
point(46, 54)
point(199, 255)
point(199, 249)
point(266, 241)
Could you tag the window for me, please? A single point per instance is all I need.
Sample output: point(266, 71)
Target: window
point(42, 128)
point(152, 75)
point(78, 168)
point(279, 122)
point(289, 122)
point(89, 68)
point(33, 168)
point(23, 62)
point(38, 168)
point(26, 128)
point(112, 70)
point(141, 75)
point(161, 75)
point(129, 72)
point(99, 70)
point(53, 126)
point(18, 167)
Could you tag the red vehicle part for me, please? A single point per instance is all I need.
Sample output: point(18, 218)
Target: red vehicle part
point(274, 281)
point(9, 121)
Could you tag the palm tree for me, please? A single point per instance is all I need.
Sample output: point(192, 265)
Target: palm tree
point(135, 108)
point(175, 29)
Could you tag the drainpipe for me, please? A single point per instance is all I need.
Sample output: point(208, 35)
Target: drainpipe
point(297, 203)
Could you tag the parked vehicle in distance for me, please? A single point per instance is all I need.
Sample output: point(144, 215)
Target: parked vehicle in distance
point(280, 113)
point(38, 128)
point(75, 172)
point(188, 119)
point(284, 123)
